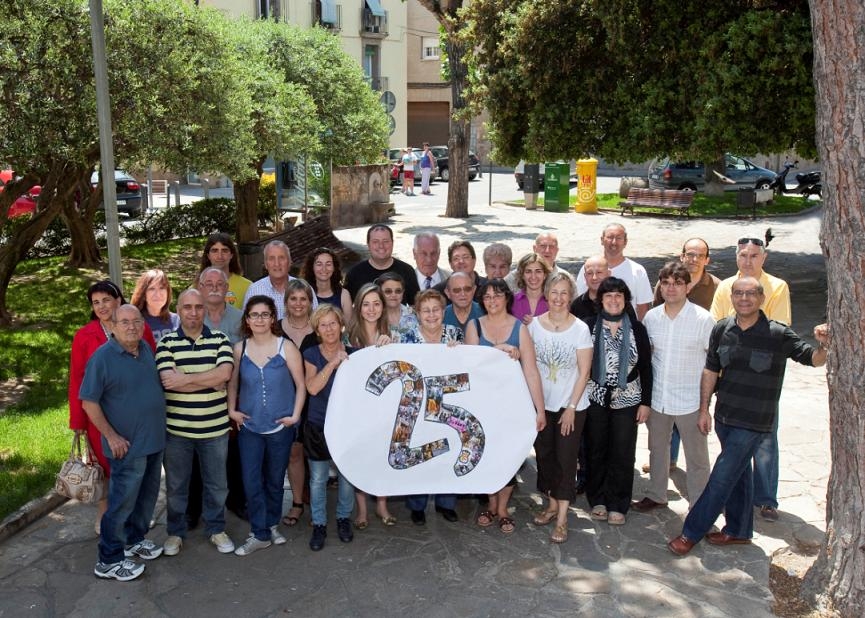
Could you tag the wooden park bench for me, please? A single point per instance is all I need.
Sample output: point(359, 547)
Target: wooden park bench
point(668, 199)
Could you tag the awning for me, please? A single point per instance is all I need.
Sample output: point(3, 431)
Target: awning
point(328, 12)
point(375, 8)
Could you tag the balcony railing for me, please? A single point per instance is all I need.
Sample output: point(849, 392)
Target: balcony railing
point(373, 25)
point(379, 84)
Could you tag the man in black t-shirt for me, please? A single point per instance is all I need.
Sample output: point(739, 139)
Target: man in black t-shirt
point(379, 240)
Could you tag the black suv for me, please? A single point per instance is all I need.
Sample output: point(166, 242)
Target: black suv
point(441, 155)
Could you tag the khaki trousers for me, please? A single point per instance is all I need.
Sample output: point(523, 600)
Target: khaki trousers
point(696, 449)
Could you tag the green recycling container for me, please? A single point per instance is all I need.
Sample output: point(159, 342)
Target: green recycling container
point(556, 186)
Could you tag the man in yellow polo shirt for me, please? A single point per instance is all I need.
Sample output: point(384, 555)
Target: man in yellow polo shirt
point(750, 257)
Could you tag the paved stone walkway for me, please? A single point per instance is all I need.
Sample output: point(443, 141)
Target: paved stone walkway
point(459, 569)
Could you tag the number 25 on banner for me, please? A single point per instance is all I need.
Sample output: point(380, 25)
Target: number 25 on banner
point(401, 455)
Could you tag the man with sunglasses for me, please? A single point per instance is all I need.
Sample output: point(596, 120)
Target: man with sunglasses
point(746, 361)
point(750, 258)
point(460, 290)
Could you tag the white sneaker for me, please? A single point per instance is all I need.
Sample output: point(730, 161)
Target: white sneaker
point(252, 544)
point(146, 549)
point(123, 571)
point(223, 542)
point(172, 546)
point(276, 536)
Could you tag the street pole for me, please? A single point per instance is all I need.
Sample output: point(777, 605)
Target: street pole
point(106, 146)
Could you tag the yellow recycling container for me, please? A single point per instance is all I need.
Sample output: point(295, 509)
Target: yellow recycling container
point(587, 186)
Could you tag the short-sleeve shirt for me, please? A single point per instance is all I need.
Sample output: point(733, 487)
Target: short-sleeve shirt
point(776, 301)
point(751, 364)
point(237, 287)
point(678, 356)
point(229, 324)
point(204, 413)
point(451, 316)
point(364, 272)
point(129, 391)
point(161, 327)
point(632, 274)
point(556, 354)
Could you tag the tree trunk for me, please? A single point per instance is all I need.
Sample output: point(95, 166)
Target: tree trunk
point(246, 198)
point(22, 237)
point(838, 575)
point(458, 143)
point(78, 214)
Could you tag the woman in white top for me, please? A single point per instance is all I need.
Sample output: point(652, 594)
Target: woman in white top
point(563, 349)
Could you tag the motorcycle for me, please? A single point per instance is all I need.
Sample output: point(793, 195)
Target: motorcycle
point(808, 183)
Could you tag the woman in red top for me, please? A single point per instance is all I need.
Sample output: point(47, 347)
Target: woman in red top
point(104, 297)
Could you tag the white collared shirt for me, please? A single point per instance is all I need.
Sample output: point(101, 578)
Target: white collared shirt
point(679, 348)
point(265, 287)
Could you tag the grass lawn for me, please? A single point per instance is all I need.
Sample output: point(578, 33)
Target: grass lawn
point(50, 304)
point(706, 206)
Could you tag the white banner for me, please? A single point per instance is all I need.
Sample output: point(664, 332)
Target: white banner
point(414, 419)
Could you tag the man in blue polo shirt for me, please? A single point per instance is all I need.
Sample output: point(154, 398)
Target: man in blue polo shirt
point(123, 397)
point(746, 361)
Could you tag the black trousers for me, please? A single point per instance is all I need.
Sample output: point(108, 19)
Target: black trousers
point(557, 456)
point(611, 443)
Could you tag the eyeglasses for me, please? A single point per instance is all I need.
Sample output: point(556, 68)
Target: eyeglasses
point(463, 290)
point(431, 311)
point(748, 293)
point(691, 255)
point(489, 297)
point(751, 241)
point(547, 246)
point(214, 286)
point(392, 290)
point(673, 283)
point(264, 315)
point(130, 323)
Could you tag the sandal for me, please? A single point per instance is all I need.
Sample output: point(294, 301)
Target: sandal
point(387, 520)
point(361, 524)
point(546, 517)
point(294, 514)
point(599, 513)
point(486, 518)
point(559, 535)
point(507, 525)
point(616, 519)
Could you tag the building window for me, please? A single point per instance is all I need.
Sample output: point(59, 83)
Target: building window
point(430, 49)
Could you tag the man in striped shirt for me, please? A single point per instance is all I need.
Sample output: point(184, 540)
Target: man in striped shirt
point(194, 364)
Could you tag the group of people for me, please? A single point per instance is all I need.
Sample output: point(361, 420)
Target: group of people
point(412, 164)
point(247, 367)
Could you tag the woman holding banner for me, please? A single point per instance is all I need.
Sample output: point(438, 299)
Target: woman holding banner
point(321, 363)
point(501, 330)
point(370, 328)
point(430, 308)
point(563, 347)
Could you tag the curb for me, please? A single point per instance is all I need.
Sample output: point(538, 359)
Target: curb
point(30, 512)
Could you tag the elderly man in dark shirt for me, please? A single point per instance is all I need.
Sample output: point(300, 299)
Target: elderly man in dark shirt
point(746, 361)
point(123, 397)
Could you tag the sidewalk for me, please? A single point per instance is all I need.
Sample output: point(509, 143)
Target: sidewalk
point(460, 569)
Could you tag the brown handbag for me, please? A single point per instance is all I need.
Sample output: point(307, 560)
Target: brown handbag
point(81, 478)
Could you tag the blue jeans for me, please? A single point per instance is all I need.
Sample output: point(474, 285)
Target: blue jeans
point(766, 471)
point(263, 460)
point(730, 488)
point(444, 501)
point(318, 473)
point(132, 491)
point(675, 442)
point(212, 453)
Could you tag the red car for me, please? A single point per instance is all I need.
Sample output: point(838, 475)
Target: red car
point(24, 205)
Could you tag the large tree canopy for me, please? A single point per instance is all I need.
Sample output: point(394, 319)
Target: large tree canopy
point(632, 79)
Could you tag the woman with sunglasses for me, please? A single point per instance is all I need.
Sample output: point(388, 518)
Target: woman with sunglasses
point(401, 318)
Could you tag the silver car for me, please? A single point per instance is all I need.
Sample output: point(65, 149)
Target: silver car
point(739, 173)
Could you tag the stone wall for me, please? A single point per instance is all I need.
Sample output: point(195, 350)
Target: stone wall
point(361, 195)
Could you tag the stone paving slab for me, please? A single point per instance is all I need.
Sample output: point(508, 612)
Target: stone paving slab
point(460, 569)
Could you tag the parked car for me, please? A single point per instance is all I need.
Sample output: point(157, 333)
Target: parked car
point(129, 198)
point(442, 159)
point(25, 204)
point(691, 175)
point(519, 173)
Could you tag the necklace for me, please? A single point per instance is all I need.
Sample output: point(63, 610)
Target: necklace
point(294, 326)
point(558, 326)
point(105, 330)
